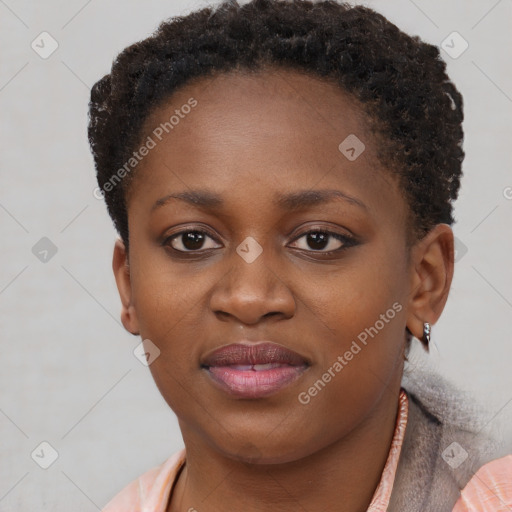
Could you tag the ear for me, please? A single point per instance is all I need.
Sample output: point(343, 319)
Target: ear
point(121, 269)
point(431, 277)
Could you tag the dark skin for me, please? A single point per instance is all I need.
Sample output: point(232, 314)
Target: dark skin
point(249, 140)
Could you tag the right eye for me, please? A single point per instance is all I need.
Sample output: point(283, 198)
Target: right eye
point(188, 241)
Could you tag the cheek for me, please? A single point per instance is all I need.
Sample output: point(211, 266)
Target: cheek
point(355, 368)
point(360, 352)
point(163, 293)
point(371, 289)
point(165, 311)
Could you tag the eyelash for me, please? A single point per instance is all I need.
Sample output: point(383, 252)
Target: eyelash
point(348, 241)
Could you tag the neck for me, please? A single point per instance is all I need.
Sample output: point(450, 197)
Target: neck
point(343, 475)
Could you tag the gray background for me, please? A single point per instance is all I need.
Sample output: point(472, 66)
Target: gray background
point(68, 374)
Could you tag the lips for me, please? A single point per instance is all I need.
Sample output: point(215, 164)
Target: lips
point(253, 369)
point(253, 353)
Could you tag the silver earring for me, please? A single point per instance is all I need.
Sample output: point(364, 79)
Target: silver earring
point(426, 334)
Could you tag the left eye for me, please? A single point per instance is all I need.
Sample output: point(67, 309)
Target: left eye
point(321, 240)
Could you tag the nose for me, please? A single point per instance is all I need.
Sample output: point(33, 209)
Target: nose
point(248, 292)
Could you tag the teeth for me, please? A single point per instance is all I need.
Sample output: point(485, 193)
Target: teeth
point(255, 367)
point(268, 366)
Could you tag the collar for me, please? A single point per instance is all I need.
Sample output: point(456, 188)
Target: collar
point(382, 495)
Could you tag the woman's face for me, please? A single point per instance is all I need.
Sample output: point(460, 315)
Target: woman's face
point(276, 155)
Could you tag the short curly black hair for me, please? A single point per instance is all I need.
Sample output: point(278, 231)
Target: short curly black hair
point(413, 108)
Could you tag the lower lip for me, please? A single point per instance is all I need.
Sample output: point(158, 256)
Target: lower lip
point(254, 384)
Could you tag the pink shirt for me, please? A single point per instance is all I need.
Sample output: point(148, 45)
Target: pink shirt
point(490, 490)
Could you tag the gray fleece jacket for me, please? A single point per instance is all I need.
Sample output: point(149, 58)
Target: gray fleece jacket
point(444, 445)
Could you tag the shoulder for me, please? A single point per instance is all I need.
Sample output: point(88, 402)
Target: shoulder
point(151, 488)
point(490, 489)
point(427, 480)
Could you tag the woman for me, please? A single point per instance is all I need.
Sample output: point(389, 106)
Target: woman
point(281, 175)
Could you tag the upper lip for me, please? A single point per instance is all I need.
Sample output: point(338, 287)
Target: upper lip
point(250, 353)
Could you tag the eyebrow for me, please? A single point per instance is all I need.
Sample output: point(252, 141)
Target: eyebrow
point(291, 201)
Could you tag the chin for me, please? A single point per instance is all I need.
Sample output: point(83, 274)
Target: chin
point(263, 452)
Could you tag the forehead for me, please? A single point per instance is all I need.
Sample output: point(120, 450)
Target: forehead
point(276, 128)
point(276, 99)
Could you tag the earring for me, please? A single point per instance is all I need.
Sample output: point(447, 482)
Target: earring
point(426, 335)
